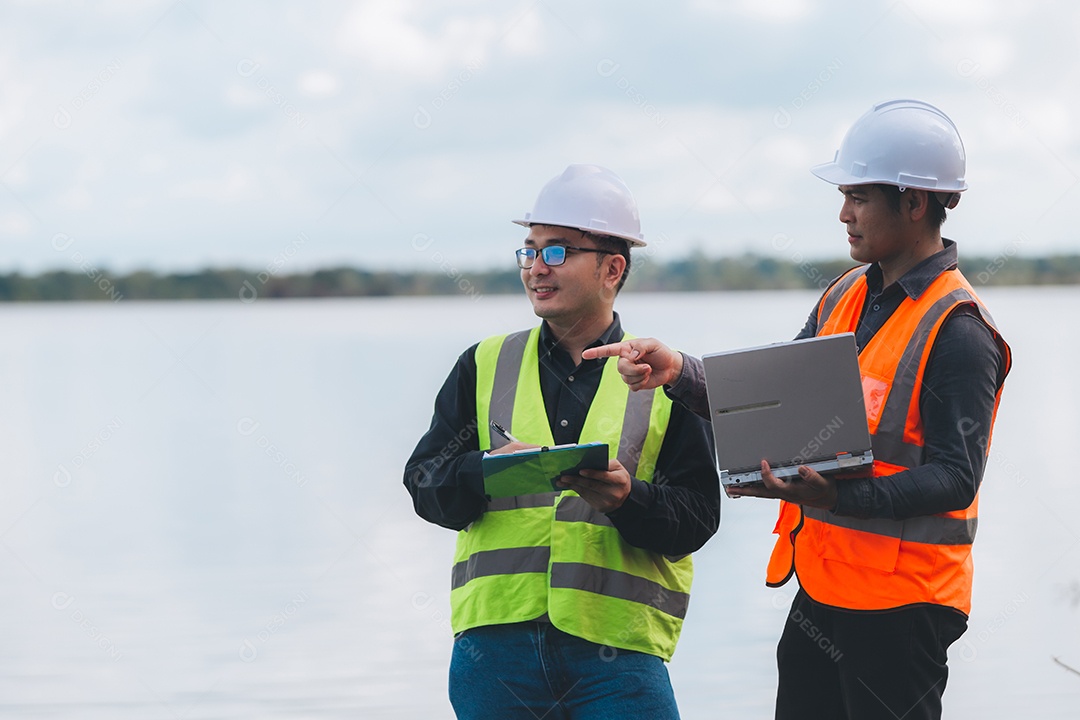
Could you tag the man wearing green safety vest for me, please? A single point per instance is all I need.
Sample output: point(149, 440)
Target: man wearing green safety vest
point(566, 604)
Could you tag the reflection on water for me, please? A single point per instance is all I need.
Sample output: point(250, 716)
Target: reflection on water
point(203, 517)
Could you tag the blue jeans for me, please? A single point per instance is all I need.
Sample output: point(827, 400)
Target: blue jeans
point(534, 671)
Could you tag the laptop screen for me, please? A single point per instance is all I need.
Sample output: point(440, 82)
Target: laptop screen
point(791, 403)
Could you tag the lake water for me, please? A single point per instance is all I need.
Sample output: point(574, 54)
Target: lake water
point(203, 516)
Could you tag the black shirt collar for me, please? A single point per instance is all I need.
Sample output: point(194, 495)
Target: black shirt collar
point(917, 279)
point(613, 334)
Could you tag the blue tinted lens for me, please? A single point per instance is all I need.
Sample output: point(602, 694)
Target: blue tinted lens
point(553, 255)
point(525, 257)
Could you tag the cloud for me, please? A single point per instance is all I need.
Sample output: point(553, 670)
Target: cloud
point(223, 130)
point(392, 38)
point(319, 84)
point(237, 183)
point(779, 11)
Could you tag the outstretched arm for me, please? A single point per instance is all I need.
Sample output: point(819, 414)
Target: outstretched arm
point(644, 363)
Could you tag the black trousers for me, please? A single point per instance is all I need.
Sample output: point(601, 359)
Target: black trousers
point(858, 665)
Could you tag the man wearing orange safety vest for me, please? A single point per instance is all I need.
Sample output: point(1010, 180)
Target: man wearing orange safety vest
point(883, 563)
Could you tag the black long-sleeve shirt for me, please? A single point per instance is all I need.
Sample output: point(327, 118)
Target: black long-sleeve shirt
point(956, 401)
point(674, 514)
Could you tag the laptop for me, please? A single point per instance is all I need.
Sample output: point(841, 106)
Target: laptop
point(792, 403)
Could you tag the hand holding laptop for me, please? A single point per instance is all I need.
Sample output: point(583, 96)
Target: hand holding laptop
point(807, 488)
point(797, 405)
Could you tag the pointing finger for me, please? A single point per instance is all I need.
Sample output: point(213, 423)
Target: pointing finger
point(619, 349)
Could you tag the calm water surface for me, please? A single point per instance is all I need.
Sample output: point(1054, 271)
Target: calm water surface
point(202, 514)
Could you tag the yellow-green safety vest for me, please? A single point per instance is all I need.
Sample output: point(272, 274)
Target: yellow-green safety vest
point(552, 553)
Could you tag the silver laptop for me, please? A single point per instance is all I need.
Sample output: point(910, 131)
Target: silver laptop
point(792, 403)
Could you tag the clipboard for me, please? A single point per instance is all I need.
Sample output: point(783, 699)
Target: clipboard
point(535, 470)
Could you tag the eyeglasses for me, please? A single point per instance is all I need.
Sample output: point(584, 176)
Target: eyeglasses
point(552, 254)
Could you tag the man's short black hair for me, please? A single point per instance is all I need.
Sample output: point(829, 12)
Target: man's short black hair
point(934, 209)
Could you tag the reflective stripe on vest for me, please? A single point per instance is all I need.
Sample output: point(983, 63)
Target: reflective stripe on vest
point(554, 553)
point(838, 289)
point(937, 529)
point(626, 586)
point(635, 422)
point(507, 561)
point(889, 443)
point(874, 563)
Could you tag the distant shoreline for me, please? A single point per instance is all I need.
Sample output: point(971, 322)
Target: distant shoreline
point(696, 273)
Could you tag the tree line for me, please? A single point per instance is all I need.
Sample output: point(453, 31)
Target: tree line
point(691, 274)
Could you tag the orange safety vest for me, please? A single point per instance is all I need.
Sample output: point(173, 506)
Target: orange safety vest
point(877, 563)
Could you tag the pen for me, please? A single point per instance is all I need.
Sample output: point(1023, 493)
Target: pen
point(502, 431)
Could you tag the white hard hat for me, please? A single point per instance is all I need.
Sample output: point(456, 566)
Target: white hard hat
point(589, 198)
point(907, 143)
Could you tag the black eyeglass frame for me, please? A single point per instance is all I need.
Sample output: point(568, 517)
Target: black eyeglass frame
point(528, 254)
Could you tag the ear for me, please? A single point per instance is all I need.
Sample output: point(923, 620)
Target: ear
point(615, 268)
point(917, 204)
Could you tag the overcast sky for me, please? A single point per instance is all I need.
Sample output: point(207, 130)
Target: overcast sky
point(390, 134)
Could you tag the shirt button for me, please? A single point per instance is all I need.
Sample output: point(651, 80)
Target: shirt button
point(564, 423)
point(876, 308)
point(571, 378)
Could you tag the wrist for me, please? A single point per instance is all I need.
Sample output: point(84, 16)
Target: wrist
point(676, 367)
